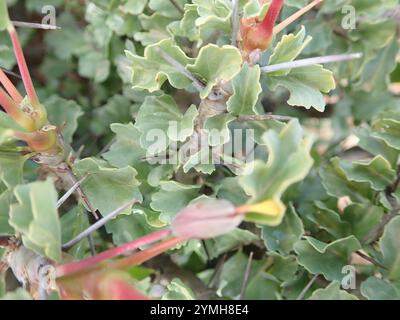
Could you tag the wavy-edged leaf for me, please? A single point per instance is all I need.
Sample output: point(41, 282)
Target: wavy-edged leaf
point(326, 259)
point(379, 289)
point(35, 216)
point(389, 245)
point(332, 292)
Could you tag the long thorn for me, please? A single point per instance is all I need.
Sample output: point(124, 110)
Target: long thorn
point(263, 117)
point(78, 266)
point(23, 68)
point(181, 68)
point(311, 61)
point(246, 277)
point(10, 73)
point(308, 286)
point(64, 198)
point(235, 22)
point(10, 88)
point(100, 223)
point(295, 16)
point(34, 25)
point(177, 6)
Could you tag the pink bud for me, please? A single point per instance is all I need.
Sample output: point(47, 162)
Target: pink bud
point(206, 220)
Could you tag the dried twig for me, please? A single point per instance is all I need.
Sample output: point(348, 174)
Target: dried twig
point(246, 277)
point(64, 198)
point(308, 286)
point(370, 259)
point(311, 61)
point(295, 16)
point(94, 227)
point(11, 73)
point(35, 25)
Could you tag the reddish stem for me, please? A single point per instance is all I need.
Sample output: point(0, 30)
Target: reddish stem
point(273, 12)
point(77, 266)
point(147, 254)
point(23, 68)
point(9, 105)
point(10, 88)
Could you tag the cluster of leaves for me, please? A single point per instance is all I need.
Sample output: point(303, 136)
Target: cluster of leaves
point(109, 60)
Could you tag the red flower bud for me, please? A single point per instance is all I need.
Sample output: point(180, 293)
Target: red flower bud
point(258, 35)
point(206, 220)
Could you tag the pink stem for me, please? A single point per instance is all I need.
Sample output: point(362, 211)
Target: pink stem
point(23, 68)
point(9, 105)
point(77, 266)
point(10, 88)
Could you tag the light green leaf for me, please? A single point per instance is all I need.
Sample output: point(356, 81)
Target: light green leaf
point(332, 292)
point(11, 168)
point(289, 161)
point(108, 188)
point(288, 49)
point(4, 19)
point(326, 259)
point(134, 7)
point(379, 289)
point(177, 290)
point(151, 71)
point(246, 90)
point(35, 217)
point(305, 86)
point(94, 65)
point(126, 150)
point(19, 294)
point(65, 113)
point(218, 129)
point(387, 128)
point(209, 69)
point(161, 116)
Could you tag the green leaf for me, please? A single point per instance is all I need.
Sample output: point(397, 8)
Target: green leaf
point(151, 71)
point(4, 19)
point(362, 218)
point(283, 237)
point(171, 198)
point(126, 150)
point(387, 128)
point(377, 172)
point(35, 217)
point(94, 65)
point(379, 289)
point(160, 117)
point(337, 185)
point(246, 90)
point(177, 290)
point(108, 188)
point(288, 49)
point(305, 86)
point(6, 199)
point(289, 161)
point(218, 129)
point(329, 221)
point(332, 292)
point(64, 113)
point(11, 168)
point(390, 250)
point(210, 70)
point(134, 7)
point(326, 259)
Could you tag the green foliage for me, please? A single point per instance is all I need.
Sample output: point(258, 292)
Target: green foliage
point(322, 182)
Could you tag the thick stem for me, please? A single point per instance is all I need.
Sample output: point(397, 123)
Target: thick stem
point(23, 68)
point(78, 266)
point(10, 88)
point(16, 113)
